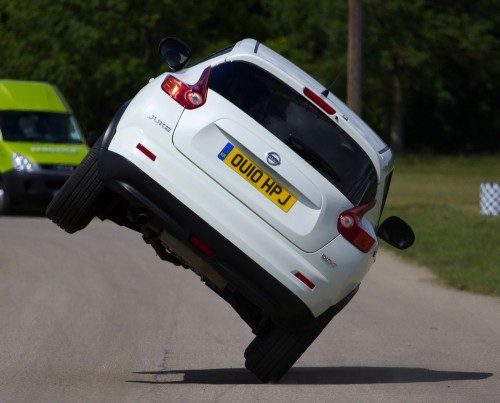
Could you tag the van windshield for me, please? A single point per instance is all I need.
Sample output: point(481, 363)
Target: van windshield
point(300, 125)
point(39, 127)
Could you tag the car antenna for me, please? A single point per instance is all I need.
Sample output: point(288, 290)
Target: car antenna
point(328, 89)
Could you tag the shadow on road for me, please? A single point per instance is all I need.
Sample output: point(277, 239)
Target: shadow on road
point(313, 376)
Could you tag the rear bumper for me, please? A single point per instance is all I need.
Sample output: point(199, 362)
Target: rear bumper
point(260, 264)
point(251, 280)
point(33, 187)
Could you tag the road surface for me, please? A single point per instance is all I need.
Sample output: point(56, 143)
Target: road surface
point(97, 317)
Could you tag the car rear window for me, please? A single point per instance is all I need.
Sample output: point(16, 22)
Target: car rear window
point(300, 125)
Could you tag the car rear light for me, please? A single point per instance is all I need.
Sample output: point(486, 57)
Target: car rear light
point(349, 226)
point(319, 101)
point(189, 96)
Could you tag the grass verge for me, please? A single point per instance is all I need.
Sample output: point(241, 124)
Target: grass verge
point(439, 198)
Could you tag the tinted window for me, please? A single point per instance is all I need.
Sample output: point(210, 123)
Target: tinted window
point(300, 125)
point(39, 127)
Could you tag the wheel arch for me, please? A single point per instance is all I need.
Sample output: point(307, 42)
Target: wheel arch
point(111, 129)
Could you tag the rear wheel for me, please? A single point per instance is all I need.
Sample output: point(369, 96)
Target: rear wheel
point(75, 205)
point(270, 356)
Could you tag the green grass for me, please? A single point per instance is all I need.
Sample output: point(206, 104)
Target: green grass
point(439, 198)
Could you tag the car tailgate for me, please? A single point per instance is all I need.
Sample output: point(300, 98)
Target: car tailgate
point(234, 150)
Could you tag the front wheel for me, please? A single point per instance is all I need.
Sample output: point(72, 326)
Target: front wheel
point(271, 355)
point(4, 200)
point(76, 204)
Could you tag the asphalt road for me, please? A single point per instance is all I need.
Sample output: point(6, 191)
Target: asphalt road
point(97, 317)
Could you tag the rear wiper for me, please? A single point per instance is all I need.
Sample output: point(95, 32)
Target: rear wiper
point(311, 156)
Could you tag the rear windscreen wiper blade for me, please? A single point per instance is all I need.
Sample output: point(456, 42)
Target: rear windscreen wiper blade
point(311, 156)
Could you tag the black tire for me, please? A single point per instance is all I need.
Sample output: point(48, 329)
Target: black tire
point(75, 205)
point(270, 356)
point(4, 200)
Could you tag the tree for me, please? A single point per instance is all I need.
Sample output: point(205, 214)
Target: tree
point(101, 52)
point(432, 73)
point(430, 69)
point(355, 56)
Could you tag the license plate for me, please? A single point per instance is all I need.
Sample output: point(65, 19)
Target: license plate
point(257, 177)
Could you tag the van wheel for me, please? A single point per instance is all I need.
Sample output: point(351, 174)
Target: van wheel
point(75, 205)
point(4, 200)
point(270, 356)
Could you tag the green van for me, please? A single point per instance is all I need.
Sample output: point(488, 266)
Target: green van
point(40, 143)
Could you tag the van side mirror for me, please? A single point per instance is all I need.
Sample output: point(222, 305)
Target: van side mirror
point(174, 52)
point(396, 233)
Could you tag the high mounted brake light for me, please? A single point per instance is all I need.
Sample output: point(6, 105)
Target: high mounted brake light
point(349, 226)
point(189, 96)
point(318, 100)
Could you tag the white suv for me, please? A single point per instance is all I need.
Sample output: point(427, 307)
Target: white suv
point(246, 170)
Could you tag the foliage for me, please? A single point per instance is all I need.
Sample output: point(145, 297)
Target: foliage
point(442, 57)
point(439, 198)
point(101, 52)
point(445, 54)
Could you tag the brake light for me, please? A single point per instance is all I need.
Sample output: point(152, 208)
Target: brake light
point(319, 101)
point(189, 96)
point(349, 226)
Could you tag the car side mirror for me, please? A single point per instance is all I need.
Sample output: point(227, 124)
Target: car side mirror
point(396, 233)
point(174, 52)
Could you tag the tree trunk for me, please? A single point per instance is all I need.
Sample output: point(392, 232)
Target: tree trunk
point(355, 56)
point(397, 119)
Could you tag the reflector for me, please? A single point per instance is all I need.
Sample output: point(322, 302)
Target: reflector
point(202, 246)
point(305, 280)
point(146, 152)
